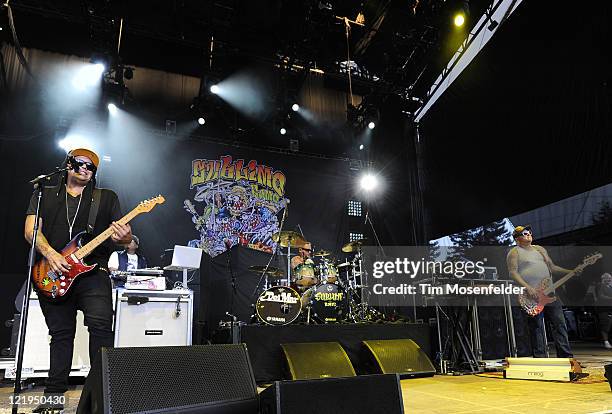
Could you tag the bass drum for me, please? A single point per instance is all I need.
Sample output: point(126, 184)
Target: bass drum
point(328, 303)
point(279, 305)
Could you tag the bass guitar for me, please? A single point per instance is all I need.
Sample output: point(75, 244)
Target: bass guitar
point(55, 285)
point(534, 305)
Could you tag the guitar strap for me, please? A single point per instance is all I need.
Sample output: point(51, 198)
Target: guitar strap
point(93, 210)
point(544, 258)
point(547, 265)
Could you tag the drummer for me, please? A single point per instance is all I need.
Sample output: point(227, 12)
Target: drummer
point(304, 254)
point(303, 268)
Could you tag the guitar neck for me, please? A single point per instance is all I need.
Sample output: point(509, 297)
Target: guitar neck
point(562, 280)
point(101, 238)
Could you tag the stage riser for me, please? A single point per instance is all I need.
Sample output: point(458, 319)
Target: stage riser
point(266, 355)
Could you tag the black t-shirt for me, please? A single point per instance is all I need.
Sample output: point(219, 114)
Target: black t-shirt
point(603, 293)
point(55, 223)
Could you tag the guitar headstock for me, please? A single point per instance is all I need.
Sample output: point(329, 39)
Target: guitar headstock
point(592, 258)
point(147, 205)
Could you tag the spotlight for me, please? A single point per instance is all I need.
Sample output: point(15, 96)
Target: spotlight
point(201, 121)
point(112, 108)
point(128, 73)
point(361, 147)
point(459, 20)
point(88, 76)
point(371, 125)
point(368, 182)
point(295, 107)
point(215, 89)
point(72, 141)
point(283, 131)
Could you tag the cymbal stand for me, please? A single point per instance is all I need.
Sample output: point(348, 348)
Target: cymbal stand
point(289, 263)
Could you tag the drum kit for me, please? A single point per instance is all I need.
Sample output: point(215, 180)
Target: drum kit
point(313, 291)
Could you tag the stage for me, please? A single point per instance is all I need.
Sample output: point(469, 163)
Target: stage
point(460, 394)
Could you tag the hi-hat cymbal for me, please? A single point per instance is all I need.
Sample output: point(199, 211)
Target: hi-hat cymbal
point(322, 253)
point(271, 271)
point(353, 246)
point(289, 238)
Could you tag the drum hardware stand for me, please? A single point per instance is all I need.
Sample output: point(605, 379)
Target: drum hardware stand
point(234, 328)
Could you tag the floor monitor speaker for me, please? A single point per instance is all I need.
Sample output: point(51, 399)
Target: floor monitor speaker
point(349, 395)
point(172, 379)
point(317, 360)
point(400, 356)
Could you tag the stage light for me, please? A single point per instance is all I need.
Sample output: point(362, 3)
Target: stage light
point(459, 19)
point(72, 141)
point(88, 76)
point(368, 182)
point(112, 108)
point(201, 121)
point(295, 107)
point(215, 89)
point(361, 147)
point(283, 131)
point(128, 73)
point(371, 125)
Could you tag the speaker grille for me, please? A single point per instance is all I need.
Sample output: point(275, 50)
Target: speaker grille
point(147, 378)
point(317, 360)
point(402, 356)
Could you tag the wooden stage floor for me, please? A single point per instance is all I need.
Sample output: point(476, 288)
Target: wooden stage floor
point(459, 395)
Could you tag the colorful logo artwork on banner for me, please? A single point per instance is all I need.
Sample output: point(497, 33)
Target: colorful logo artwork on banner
point(235, 202)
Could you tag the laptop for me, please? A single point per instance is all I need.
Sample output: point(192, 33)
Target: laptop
point(185, 258)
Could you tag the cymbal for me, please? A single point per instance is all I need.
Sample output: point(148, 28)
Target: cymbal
point(322, 253)
point(353, 246)
point(289, 238)
point(272, 271)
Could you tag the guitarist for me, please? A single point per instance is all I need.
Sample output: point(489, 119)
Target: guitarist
point(64, 213)
point(529, 265)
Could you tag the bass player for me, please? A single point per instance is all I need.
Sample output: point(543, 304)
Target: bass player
point(529, 265)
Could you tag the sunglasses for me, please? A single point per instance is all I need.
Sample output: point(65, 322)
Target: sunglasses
point(526, 233)
point(78, 164)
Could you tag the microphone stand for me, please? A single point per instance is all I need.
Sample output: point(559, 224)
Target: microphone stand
point(366, 281)
point(369, 219)
point(274, 253)
point(38, 183)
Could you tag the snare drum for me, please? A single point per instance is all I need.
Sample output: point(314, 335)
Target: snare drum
point(328, 303)
point(304, 275)
point(279, 305)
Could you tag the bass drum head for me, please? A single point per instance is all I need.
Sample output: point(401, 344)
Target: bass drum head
point(328, 303)
point(279, 305)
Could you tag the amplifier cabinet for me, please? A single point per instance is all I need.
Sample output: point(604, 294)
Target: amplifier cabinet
point(36, 346)
point(153, 318)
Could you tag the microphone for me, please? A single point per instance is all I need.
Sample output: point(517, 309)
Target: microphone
point(366, 217)
point(74, 165)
